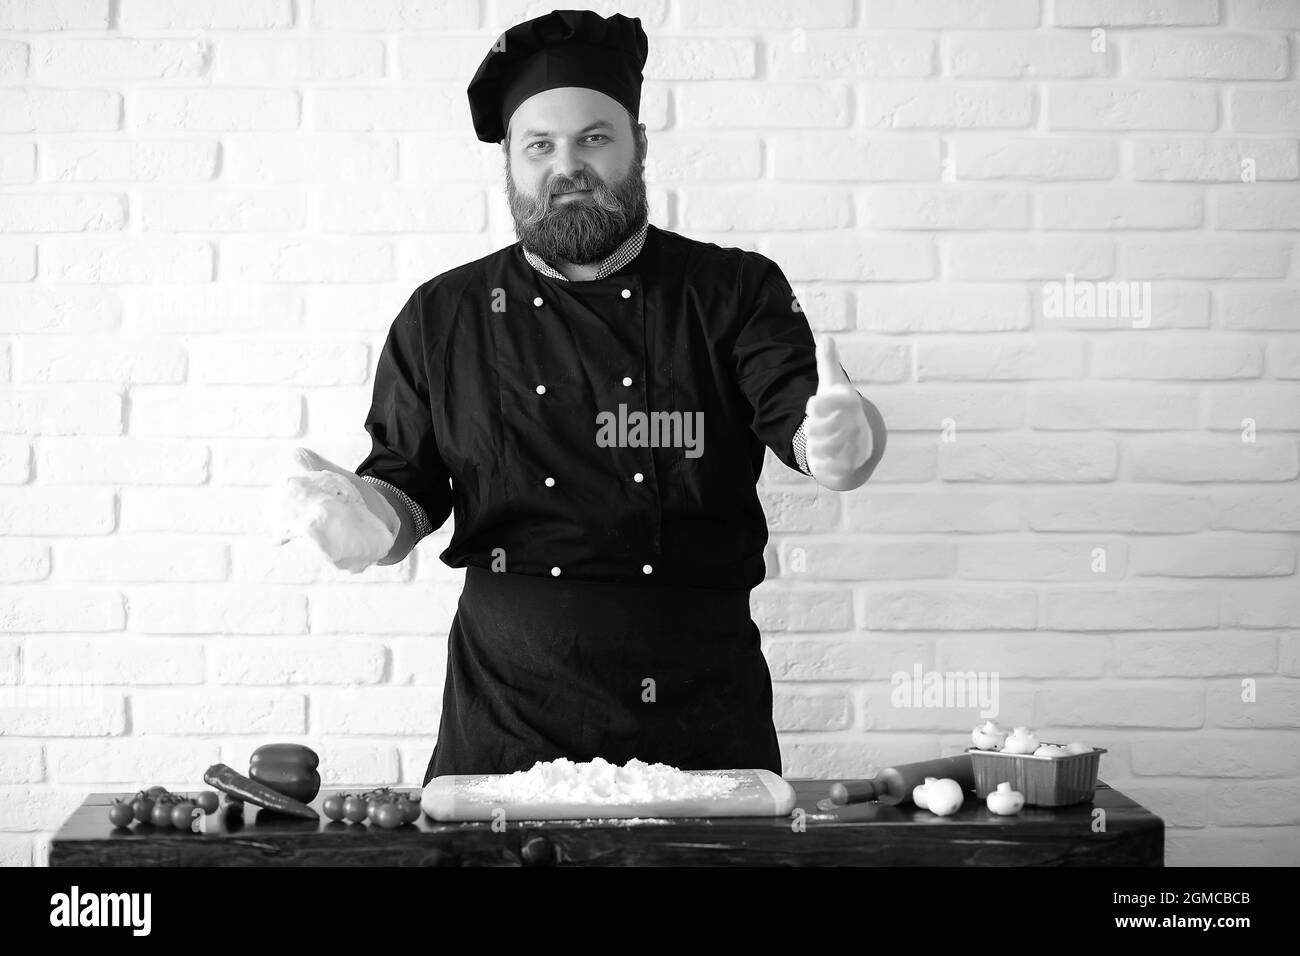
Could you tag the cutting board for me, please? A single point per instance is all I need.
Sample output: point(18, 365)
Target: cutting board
point(758, 793)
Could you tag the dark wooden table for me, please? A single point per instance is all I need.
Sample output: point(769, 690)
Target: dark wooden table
point(867, 834)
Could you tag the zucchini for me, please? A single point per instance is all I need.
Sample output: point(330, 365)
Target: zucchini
point(227, 780)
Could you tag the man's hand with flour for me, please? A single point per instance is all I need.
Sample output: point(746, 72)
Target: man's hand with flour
point(346, 516)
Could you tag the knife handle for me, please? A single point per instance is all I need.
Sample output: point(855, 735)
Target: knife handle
point(856, 791)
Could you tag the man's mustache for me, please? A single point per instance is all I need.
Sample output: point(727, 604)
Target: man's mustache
point(543, 208)
point(559, 187)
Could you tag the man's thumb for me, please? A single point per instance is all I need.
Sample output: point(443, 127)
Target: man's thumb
point(829, 371)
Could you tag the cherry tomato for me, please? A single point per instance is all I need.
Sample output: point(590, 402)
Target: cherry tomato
point(142, 807)
point(182, 813)
point(410, 810)
point(388, 816)
point(206, 801)
point(162, 815)
point(333, 806)
point(354, 808)
point(120, 814)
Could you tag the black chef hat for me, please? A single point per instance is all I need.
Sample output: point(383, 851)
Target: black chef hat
point(561, 48)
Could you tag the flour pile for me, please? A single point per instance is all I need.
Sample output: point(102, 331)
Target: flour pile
point(598, 781)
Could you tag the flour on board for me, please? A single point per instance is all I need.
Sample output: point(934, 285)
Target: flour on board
point(598, 781)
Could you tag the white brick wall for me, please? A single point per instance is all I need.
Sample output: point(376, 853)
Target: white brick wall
point(210, 211)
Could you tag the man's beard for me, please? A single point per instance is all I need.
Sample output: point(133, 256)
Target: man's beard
point(582, 230)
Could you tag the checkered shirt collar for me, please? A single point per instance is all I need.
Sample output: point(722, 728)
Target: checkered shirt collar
point(624, 254)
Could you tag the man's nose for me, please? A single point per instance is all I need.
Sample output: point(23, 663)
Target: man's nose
point(566, 162)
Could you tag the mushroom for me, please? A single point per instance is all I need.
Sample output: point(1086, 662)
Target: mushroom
point(944, 796)
point(1051, 750)
point(988, 736)
point(918, 793)
point(1020, 741)
point(1004, 801)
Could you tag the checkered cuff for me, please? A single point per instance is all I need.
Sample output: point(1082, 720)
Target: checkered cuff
point(801, 448)
point(418, 517)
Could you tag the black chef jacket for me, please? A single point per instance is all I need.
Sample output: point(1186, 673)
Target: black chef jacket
point(491, 379)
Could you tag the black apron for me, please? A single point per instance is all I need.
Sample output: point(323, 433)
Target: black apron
point(540, 668)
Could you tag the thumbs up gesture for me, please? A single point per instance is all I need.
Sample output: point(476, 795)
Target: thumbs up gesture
point(838, 434)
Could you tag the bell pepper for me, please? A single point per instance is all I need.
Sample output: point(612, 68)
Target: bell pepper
point(289, 769)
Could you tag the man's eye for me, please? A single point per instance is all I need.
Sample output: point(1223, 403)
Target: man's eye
point(543, 142)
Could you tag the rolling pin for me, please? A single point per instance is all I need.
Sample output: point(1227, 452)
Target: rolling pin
point(894, 784)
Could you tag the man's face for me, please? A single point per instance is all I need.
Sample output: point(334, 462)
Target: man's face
point(575, 174)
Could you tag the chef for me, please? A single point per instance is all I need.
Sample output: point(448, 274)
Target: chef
point(593, 404)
